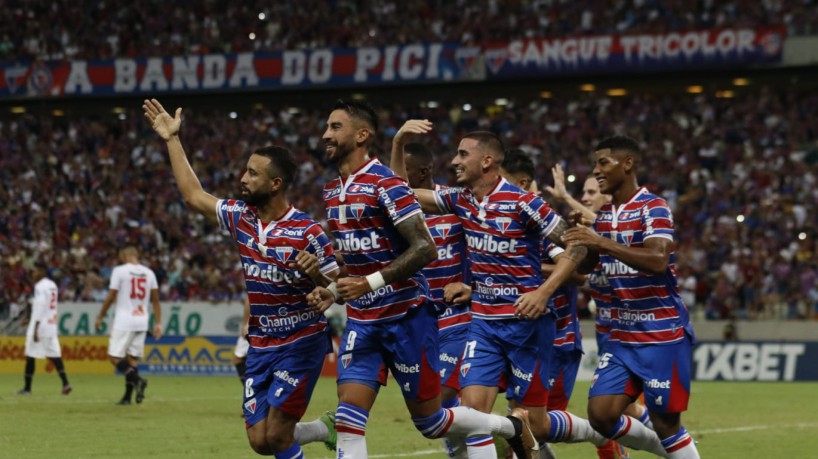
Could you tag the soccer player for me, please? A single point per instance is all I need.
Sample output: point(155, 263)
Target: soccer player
point(391, 324)
point(132, 287)
point(592, 200)
point(285, 254)
point(41, 334)
point(512, 333)
point(649, 347)
point(448, 276)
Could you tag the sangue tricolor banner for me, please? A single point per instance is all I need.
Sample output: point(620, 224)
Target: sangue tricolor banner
point(414, 63)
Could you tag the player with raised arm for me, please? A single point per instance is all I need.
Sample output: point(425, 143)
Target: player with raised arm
point(512, 333)
point(448, 276)
point(285, 255)
point(649, 347)
point(132, 286)
point(41, 335)
point(391, 323)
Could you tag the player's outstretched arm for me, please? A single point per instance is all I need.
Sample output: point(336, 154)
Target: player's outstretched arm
point(157, 314)
point(653, 257)
point(168, 128)
point(397, 162)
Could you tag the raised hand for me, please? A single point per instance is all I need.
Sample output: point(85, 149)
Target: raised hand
point(558, 191)
point(161, 122)
point(412, 127)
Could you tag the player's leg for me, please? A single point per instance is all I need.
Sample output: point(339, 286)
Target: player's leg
point(361, 373)
point(240, 357)
point(667, 392)
point(28, 375)
point(118, 345)
point(614, 387)
point(33, 350)
point(452, 342)
point(135, 351)
point(54, 354)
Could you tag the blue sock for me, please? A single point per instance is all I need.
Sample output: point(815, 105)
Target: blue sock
point(451, 403)
point(560, 426)
point(436, 425)
point(677, 442)
point(293, 452)
point(351, 419)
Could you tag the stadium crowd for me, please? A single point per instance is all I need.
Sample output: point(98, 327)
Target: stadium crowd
point(739, 173)
point(54, 30)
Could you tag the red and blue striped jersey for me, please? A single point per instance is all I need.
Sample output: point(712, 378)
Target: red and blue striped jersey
point(451, 266)
point(563, 303)
point(601, 293)
point(279, 314)
point(504, 232)
point(363, 213)
point(646, 308)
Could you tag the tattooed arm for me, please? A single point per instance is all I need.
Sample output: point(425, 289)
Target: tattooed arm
point(421, 252)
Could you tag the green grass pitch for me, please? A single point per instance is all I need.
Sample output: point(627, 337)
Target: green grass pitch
point(201, 417)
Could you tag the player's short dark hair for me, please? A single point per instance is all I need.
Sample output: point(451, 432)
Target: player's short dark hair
point(518, 162)
point(359, 110)
point(282, 163)
point(620, 143)
point(420, 152)
point(40, 264)
point(489, 141)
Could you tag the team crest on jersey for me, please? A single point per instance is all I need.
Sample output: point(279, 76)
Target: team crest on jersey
point(284, 253)
point(444, 229)
point(345, 359)
point(503, 223)
point(357, 210)
point(464, 369)
point(250, 405)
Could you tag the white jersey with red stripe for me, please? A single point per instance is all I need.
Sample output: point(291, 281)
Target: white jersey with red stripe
point(504, 232)
point(363, 212)
point(451, 266)
point(563, 302)
point(44, 308)
point(133, 284)
point(646, 308)
point(279, 314)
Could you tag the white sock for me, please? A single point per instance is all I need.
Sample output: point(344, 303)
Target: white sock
point(570, 428)
point(481, 447)
point(645, 419)
point(351, 446)
point(308, 432)
point(687, 452)
point(680, 446)
point(455, 447)
point(633, 434)
point(468, 422)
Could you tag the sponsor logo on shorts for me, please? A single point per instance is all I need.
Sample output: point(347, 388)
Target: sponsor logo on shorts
point(279, 391)
point(656, 384)
point(444, 357)
point(284, 375)
point(404, 368)
point(520, 374)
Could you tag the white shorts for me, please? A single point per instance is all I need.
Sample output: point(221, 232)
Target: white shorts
point(46, 347)
point(242, 346)
point(124, 343)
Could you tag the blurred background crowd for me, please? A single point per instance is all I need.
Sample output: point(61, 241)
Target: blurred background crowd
point(63, 29)
point(740, 173)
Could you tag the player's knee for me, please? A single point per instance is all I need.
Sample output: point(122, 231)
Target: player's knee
point(277, 442)
point(601, 419)
point(259, 444)
point(122, 365)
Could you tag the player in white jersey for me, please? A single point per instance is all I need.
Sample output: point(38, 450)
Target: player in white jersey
point(132, 287)
point(41, 335)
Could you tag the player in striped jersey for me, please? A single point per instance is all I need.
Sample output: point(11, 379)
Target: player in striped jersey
point(512, 334)
point(649, 347)
point(391, 323)
point(448, 276)
point(285, 254)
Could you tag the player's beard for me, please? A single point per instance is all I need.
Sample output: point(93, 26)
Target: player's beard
point(257, 198)
point(342, 150)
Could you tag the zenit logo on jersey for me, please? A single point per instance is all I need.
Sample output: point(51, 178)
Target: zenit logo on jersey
point(646, 309)
point(363, 211)
point(279, 314)
point(503, 234)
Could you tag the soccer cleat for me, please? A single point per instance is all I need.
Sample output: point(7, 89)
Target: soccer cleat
point(124, 401)
point(66, 389)
point(612, 450)
point(140, 389)
point(523, 443)
point(328, 419)
point(24, 392)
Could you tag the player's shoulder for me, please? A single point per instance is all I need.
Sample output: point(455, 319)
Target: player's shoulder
point(45, 284)
point(232, 205)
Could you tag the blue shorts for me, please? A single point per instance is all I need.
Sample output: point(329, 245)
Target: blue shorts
point(452, 343)
point(662, 372)
point(601, 342)
point(510, 354)
point(283, 379)
point(564, 369)
point(402, 346)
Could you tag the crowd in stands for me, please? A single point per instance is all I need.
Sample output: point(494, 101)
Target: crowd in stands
point(740, 174)
point(63, 29)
